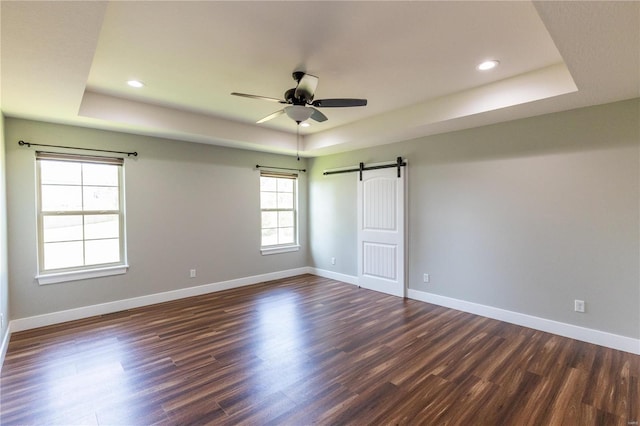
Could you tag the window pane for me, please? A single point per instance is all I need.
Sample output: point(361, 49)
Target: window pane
point(269, 237)
point(102, 251)
point(285, 235)
point(285, 185)
point(61, 198)
point(268, 184)
point(101, 226)
point(278, 224)
point(268, 200)
point(285, 219)
point(61, 228)
point(62, 255)
point(60, 172)
point(269, 220)
point(72, 241)
point(100, 198)
point(285, 201)
point(99, 174)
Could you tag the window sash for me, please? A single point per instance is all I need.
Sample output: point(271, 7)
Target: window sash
point(278, 175)
point(55, 156)
point(86, 264)
point(292, 210)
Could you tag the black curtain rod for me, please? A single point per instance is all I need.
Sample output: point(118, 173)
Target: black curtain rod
point(258, 166)
point(399, 163)
point(29, 144)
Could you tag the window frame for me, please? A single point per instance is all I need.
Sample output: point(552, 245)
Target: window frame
point(286, 247)
point(57, 275)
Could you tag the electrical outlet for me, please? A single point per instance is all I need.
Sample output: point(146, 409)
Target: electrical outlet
point(333, 260)
point(578, 305)
point(192, 273)
point(426, 278)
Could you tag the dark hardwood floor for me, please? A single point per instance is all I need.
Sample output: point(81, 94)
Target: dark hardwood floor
point(309, 350)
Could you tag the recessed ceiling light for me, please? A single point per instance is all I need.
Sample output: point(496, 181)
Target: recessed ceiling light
point(305, 124)
point(487, 65)
point(135, 83)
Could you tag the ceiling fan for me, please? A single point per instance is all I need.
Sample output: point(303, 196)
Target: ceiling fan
point(300, 103)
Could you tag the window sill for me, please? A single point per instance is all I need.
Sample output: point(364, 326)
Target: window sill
point(276, 250)
point(62, 277)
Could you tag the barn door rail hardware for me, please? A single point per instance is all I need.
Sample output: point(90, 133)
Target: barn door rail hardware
point(361, 168)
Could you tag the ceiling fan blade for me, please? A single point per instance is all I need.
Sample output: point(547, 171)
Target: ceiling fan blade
point(271, 116)
point(337, 103)
point(264, 98)
point(307, 87)
point(317, 115)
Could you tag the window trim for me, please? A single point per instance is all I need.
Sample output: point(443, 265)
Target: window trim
point(288, 247)
point(267, 250)
point(52, 276)
point(61, 277)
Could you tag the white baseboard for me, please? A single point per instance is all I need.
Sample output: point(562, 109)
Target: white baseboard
point(610, 340)
point(28, 323)
point(614, 341)
point(349, 279)
point(4, 345)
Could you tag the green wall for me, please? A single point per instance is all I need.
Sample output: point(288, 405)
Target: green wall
point(524, 216)
point(4, 275)
point(188, 206)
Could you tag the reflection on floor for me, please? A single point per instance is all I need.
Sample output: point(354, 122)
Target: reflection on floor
point(309, 350)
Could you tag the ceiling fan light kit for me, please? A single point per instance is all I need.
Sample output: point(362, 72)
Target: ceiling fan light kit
point(298, 113)
point(299, 99)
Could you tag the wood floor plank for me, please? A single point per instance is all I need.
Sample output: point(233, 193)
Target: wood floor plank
point(310, 350)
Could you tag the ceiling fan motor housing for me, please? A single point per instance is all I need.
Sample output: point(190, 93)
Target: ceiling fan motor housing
point(290, 97)
point(297, 75)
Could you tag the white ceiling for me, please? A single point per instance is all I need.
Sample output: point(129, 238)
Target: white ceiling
point(415, 61)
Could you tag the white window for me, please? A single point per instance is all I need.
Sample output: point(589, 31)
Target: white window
point(81, 220)
point(278, 205)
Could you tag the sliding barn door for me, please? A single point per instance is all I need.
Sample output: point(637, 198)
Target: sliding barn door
point(381, 232)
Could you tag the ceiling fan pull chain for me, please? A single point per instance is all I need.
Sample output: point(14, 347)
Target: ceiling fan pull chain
point(298, 140)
